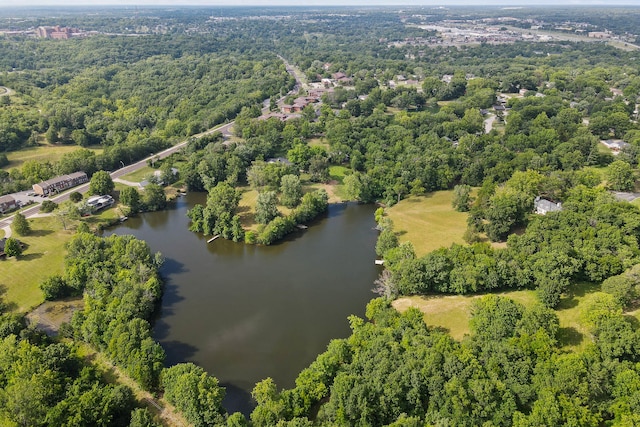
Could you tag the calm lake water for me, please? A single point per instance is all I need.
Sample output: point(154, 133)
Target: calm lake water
point(246, 312)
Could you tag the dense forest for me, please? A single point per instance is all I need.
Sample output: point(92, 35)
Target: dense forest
point(147, 81)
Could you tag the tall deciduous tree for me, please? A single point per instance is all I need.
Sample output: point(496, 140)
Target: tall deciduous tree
point(266, 207)
point(461, 198)
point(196, 394)
point(131, 197)
point(154, 198)
point(291, 190)
point(67, 212)
point(20, 225)
point(620, 176)
point(101, 183)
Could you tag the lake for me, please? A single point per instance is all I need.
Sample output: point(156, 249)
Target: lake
point(245, 312)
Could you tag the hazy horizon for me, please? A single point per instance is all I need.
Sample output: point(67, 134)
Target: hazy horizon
point(316, 3)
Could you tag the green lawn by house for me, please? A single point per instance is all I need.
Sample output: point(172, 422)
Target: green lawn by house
point(428, 222)
point(42, 153)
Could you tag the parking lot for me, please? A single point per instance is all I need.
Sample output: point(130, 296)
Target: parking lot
point(26, 197)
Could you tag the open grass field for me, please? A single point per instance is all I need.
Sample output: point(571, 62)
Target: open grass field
point(334, 187)
point(428, 222)
point(247, 205)
point(139, 175)
point(318, 142)
point(247, 208)
point(452, 312)
point(42, 153)
point(43, 257)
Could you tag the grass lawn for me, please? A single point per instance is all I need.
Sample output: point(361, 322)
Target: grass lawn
point(573, 334)
point(43, 257)
point(318, 142)
point(139, 175)
point(452, 312)
point(334, 188)
point(42, 153)
point(247, 208)
point(428, 222)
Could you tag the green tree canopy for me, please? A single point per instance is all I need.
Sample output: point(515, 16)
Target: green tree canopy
point(20, 225)
point(101, 183)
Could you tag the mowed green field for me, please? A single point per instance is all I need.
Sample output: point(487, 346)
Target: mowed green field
point(42, 153)
point(428, 222)
point(139, 175)
point(452, 312)
point(247, 208)
point(43, 257)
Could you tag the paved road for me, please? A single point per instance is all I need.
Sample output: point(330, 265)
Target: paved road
point(225, 130)
point(33, 210)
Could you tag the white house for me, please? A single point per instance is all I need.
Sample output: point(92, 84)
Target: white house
point(544, 206)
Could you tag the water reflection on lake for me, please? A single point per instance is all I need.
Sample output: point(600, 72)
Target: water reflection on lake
point(247, 312)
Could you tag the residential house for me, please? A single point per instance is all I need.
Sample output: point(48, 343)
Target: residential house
point(60, 183)
point(615, 145)
point(7, 204)
point(544, 206)
point(280, 116)
point(280, 160)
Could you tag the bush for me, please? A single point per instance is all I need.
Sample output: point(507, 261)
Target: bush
point(12, 247)
point(250, 237)
point(48, 206)
point(54, 287)
point(75, 197)
point(276, 230)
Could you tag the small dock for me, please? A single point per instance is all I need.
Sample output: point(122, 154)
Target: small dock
point(213, 238)
point(379, 262)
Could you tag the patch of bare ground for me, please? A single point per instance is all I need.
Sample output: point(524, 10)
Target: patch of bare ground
point(50, 315)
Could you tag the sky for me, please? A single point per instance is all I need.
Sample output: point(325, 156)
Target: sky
point(26, 3)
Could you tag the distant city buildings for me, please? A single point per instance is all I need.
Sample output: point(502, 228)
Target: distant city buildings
point(57, 32)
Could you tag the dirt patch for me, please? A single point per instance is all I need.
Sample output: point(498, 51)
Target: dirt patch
point(331, 192)
point(50, 315)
